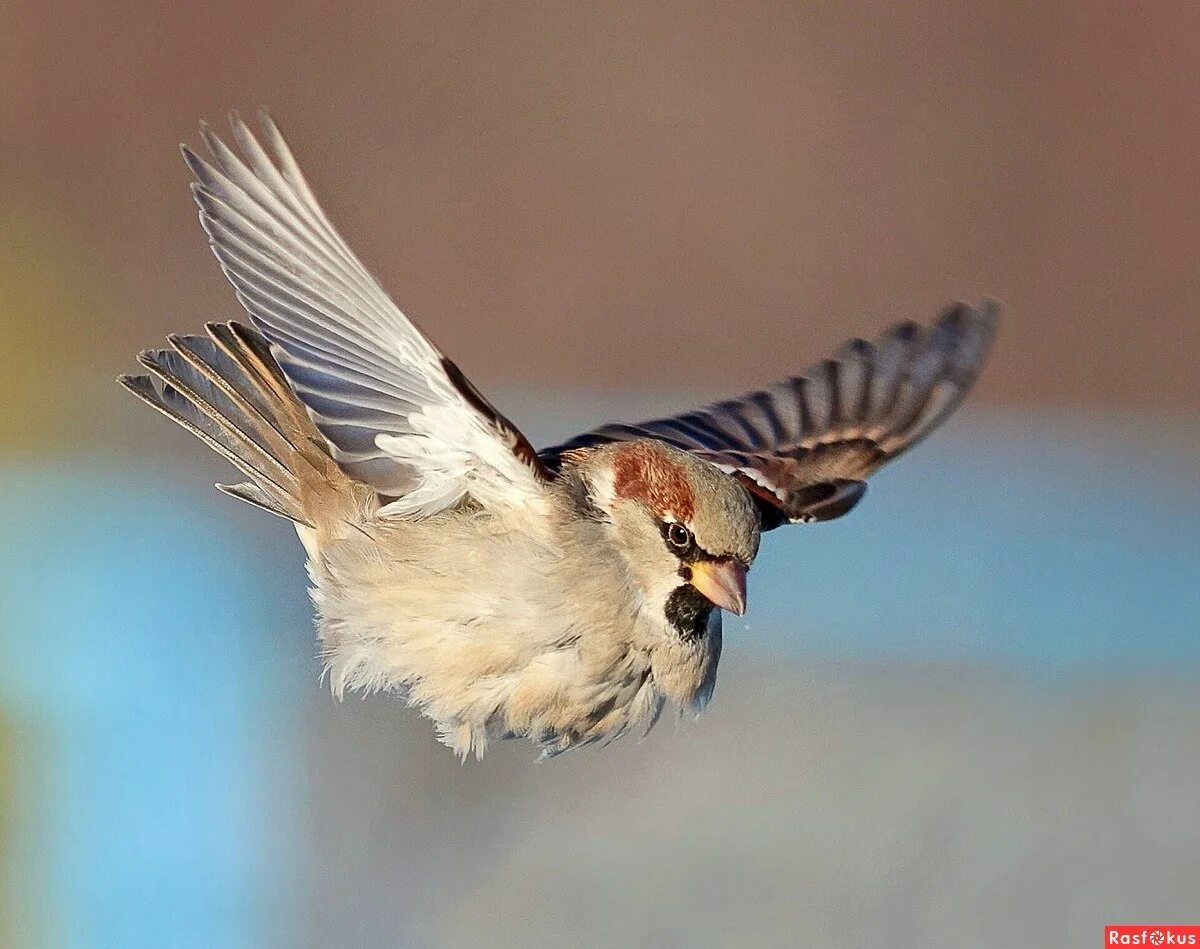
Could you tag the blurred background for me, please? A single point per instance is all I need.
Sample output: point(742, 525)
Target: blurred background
point(965, 715)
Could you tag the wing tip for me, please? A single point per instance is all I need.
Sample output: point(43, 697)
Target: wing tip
point(969, 331)
point(984, 314)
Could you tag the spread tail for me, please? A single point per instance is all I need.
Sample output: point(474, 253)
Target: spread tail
point(226, 389)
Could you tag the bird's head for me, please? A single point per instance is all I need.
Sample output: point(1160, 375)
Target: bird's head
point(688, 531)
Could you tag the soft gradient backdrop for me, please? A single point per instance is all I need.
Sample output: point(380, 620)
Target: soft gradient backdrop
point(965, 715)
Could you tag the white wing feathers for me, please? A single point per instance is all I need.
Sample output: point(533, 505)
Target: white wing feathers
point(397, 414)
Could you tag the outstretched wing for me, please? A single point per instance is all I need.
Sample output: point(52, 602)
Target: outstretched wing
point(398, 414)
point(804, 447)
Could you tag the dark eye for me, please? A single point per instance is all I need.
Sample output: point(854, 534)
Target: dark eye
point(679, 537)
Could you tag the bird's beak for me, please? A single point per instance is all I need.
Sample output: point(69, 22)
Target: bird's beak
point(723, 582)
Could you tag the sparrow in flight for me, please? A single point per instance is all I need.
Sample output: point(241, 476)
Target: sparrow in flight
point(564, 595)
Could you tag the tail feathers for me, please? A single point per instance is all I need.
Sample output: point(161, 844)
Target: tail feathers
point(226, 389)
point(253, 494)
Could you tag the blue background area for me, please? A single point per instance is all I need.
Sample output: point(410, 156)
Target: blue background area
point(158, 653)
point(1033, 548)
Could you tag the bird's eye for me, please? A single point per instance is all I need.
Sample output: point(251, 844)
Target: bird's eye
point(679, 537)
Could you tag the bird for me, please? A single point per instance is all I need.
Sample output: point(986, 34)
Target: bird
point(564, 596)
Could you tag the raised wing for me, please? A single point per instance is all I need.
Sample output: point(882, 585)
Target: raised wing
point(398, 414)
point(804, 447)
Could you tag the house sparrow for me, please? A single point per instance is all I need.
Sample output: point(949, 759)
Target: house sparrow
point(563, 595)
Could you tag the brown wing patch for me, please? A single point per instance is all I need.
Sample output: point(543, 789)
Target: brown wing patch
point(643, 473)
point(513, 436)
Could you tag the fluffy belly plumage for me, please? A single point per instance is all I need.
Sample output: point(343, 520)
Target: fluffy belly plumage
point(488, 655)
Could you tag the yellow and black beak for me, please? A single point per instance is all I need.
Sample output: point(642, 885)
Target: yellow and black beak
point(721, 582)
